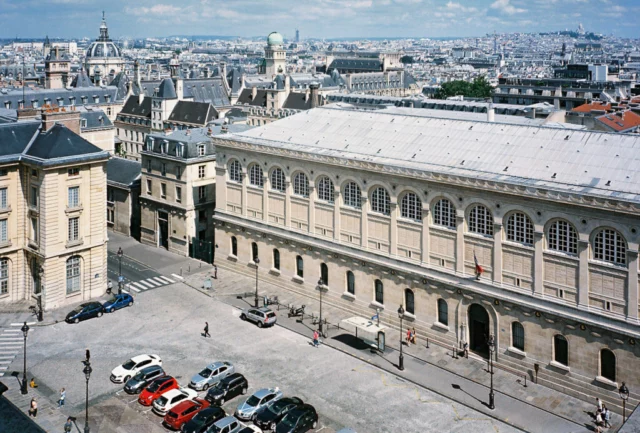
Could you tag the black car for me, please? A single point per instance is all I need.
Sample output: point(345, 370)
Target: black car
point(299, 420)
point(271, 415)
point(228, 388)
point(143, 378)
point(85, 311)
point(203, 420)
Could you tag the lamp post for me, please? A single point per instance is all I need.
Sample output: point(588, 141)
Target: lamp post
point(492, 348)
point(401, 360)
point(40, 293)
point(120, 253)
point(624, 395)
point(87, 374)
point(257, 262)
point(320, 288)
point(25, 331)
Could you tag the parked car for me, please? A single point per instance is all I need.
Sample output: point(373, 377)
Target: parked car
point(156, 389)
point(85, 311)
point(228, 388)
point(126, 371)
point(248, 409)
point(273, 414)
point(183, 413)
point(261, 316)
point(250, 429)
point(299, 420)
point(212, 374)
point(144, 377)
point(203, 420)
point(171, 399)
point(118, 301)
point(228, 424)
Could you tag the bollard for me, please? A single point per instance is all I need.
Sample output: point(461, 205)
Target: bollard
point(427, 342)
point(453, 351)
point(201, 264)
point(180, 271)
point(189, 269)
point(525, 381)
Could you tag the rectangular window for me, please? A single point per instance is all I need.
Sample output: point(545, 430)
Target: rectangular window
point(201, 171)
point(3, 231)
point(72, 172)
point(73, 274)
point(178, 172)
point(201, 150)
point(34, 196)
point(202, 193)
point(34, 230)
point(149, 186)
point(163, 190)
point(4, 276)
point(34, 172)
point(148, 166)
point(202, 216)
point(178, 194)
point(73, 229)
point(3, 198)
point(164, 169)
point(111, 215)
point(110, 195)
point(74, 196)
point(3, 172)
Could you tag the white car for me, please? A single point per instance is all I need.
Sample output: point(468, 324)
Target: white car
point(126, 371)
point(170, 399)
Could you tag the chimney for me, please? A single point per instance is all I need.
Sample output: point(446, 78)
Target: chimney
point(223, 69)
point(207, 72)
point(314, 90)
point(307, 94)
point(70, 119)
point(254, 93)
point(491, 113)
point(178, 83)
point(136, 73)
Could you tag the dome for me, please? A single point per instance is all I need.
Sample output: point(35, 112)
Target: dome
point(103, 49)
point(275, 38)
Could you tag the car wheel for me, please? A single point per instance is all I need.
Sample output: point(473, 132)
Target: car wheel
point(130, 303)
point(99, 314)
point(205, 387)
point(244, 390)
point(76, 320)
point(260, 325)
point(111, 310)
point(314, 425)
point(243, 317)
point(221, 401)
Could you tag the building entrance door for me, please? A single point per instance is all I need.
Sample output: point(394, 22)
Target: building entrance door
point(163, 230)
point(478, 330)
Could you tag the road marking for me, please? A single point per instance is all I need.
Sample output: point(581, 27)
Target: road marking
point(7, 357)
point(12, 330)
point(134, 289)
point(177, 276)
point(167, 279)
point(157, 279)
point(9, 337)
point(11, 344)
point(6, 362)
point(3, 368)
point(150, 281)
point(140, 286)
point(20, 324)
point(146, 284)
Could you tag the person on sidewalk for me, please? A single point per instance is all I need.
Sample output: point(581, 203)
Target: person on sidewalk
point(607, 416)
point(215, 272)
point(206, 330)
point(465, 347)
point(68, 425)
point(33, 383)
point(599, 404)
point(316, 337)
point(63, 394)
point(408, 336)
point(33, 408)
point(599, 421)
point(413, 335)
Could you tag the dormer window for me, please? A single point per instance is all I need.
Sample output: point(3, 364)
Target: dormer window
point(72, 101)
point(107, 98)
point(150, 144)
point(179, 150)
point(164, 147)
point(34, 103)
point(83, 123)
point(7, 104)
point(96, 99)
point(201, 150)
point(21, 104)
point(84, 99)
point(60, 101)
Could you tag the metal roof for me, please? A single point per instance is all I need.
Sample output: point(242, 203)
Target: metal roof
point(582, 162)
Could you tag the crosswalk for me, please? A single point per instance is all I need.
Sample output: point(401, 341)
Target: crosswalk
point(151, 283)
point(11, 344)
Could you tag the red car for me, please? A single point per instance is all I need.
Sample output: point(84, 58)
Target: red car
point(156, 389)
point(183, 412)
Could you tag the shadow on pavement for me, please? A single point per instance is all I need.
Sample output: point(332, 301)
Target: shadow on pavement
point(13, 420)
point(459, 388)
point(352, 341)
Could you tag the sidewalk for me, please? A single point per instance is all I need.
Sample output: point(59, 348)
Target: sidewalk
point(534, 408)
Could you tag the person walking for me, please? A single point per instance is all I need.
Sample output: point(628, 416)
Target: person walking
point(68, 425)
point(599, 404)
point(63, 395)
point(413, 335)
point(33, 408)
point(599, 421)
point(215, 272)
point(316, 337)
point(206, 330)
point(408, 336)
point(607, 417)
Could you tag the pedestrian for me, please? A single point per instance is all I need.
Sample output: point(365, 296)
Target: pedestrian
point(408, 336)
point(465, 347)
point(109, 287)
point(607, 417)
point(206, 330)
point(599, 404)
point(68, 425)
point(33, 383)
point(33, 408)
point(215, 272)
point(316, 337)
point(63, 394)
point(413, 335)
point(599, 422)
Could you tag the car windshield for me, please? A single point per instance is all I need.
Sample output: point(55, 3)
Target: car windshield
point(162, 401)
point(253, 401)
point(154, 385)
point(112, 299)
point(128, 365)
point(139, 376)
point(278, 406)
point(200, 418)
point(206, 372)
point(289, 420)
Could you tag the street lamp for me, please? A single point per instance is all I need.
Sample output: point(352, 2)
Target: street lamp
point(492, 348)
point(401, 360)
point(120, 253)
point(256, 260)
point(25, 331)
point(40, 293)
point(87, 374)
point(624, 395)
point(320, 288)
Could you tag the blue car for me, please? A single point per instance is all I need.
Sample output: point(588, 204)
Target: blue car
point(85, 311)
point(118, 301)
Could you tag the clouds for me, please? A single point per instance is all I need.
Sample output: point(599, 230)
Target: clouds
point(314, 18)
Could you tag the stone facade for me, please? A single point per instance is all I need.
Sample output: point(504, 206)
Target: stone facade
point(542, 259)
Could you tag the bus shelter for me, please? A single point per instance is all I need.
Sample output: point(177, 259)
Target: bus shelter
point(366, 330)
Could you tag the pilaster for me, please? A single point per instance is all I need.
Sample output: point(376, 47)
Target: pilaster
point(287, 202)
point(426, 215)
point(538, 263)
point(266, 186)
point(245, 179)
point(336, 215)
point(583, 277)
point(497, 253)
point(393, 228)
point(632, 285)
point(364, 222)
point(460, 241)
point(312, 208)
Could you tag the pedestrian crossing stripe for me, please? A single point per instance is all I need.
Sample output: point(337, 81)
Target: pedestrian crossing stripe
point(20, 324)
point(177, 276)
point(166, 279)
point(150, 281)
point(146, 284)
point(3, 368)
point(140, 286)
point(134, 289)
point(158, 280)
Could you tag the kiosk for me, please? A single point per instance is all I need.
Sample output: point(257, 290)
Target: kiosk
point(366, 330)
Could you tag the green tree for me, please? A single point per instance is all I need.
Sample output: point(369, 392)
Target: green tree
point(407, 59)
point(479, 88)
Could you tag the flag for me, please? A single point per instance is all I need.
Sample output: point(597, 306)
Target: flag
point(479, 269)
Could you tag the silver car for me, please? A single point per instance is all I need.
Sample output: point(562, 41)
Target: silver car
point(211, 375)
point(248, 409)
point(227, 424)
point(261, 316)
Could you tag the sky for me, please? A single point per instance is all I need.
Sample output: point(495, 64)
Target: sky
point(314, 18)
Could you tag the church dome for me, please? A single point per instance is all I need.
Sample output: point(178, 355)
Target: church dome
point(103, 49)
point(275, 38)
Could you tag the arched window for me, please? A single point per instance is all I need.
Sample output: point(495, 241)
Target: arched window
point(73, 274)
point(351, 283)
point(444, 214)
point(352, 195)
point(299, 267)
point(443, 312)
point(301, 185)
point(325, 189)
point(517, 335)
point(608, 365)
point(480, 221)
point(609, 246)
point(520, 228)
point(409, 303)
point(560, 350)
point(379, 292)
point(562, 237)
point(255, 175)
point(4, 276)
point(234, 246)
point(254, 251)
point(276, 259)
point(380, 202)
point(235, 171)
point(324, 274)
point(277, 180)
point(411, 207)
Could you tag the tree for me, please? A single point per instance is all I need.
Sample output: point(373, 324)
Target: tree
point(479, 88)
point(407, 59)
